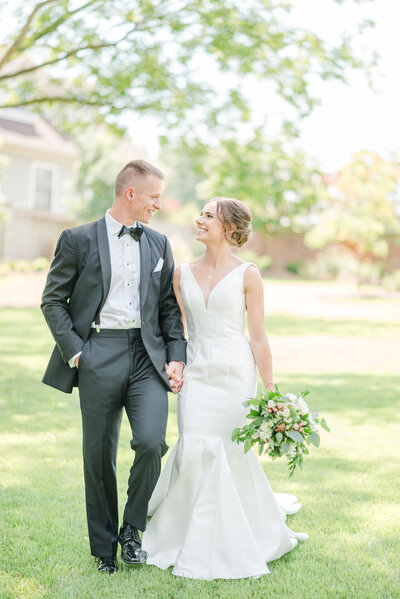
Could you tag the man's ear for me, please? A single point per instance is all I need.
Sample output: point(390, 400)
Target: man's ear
point(130, 193)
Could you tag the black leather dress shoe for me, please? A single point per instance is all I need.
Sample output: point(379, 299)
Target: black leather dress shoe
point(107, 564)
point(131, 546)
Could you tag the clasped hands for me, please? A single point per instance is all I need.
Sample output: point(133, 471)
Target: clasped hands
point(174, 372)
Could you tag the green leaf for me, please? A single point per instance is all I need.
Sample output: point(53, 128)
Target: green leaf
point(295, 435)
point(247, 445)
point(285, 447)
point(253, 413)
point(253, 402)
point(324, 425)
point(315, 439)
point(235, 434)
point(278, 438)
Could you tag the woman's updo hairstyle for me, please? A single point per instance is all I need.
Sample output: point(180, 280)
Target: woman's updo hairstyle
point(235, 215)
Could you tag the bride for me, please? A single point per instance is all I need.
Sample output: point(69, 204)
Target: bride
point(214, 513)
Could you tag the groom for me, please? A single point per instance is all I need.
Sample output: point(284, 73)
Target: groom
point(110, 306)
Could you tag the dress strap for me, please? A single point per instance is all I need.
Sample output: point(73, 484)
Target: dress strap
point(184, 270)
point(245, 265)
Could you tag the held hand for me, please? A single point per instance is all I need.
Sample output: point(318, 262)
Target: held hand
point(174, 372)
point(270, 387)
point(76, 361)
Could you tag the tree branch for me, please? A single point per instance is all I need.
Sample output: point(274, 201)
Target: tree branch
point(74, 52)
point(22, 34)
point(60, 21)
point(82, 101)
point(50, 99)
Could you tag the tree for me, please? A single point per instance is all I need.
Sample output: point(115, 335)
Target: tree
point(363, 208)
point(273, 176)
point(156, 56)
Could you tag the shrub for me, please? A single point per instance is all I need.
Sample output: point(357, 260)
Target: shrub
point(40, 263)
point(391, 280)
point(21, 265)
point(297, 267)
point(333, 265)
point(262, 261)
point(5, 269)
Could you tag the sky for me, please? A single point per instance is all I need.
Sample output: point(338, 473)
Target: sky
point(351, 117)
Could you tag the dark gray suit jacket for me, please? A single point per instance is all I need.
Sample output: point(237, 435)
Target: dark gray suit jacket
point(76, 289)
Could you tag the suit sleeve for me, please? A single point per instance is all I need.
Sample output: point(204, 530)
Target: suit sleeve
point(56, 295)
point(170, 318)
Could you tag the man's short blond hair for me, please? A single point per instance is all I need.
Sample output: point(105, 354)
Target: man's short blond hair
point(135, 169)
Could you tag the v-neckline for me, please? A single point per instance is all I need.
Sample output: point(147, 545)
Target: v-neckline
point(216, 284)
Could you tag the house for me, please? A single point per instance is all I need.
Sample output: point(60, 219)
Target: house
point(36, 182)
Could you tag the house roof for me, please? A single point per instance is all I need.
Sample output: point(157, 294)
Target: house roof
point(26, 134)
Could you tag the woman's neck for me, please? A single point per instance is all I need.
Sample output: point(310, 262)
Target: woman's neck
point(216, 256)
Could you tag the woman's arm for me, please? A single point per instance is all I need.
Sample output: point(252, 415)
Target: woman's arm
point(254, 292)
point(178, 295)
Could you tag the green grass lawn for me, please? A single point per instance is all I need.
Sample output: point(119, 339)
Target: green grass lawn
point(349, 488)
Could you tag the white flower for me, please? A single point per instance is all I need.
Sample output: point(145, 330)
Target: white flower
point(271, 403)
point(302, 407)
point(279, 414)
point(286, 413)
point(291, 397)
point(296, 426)
point(263, 432)
point(292, 450)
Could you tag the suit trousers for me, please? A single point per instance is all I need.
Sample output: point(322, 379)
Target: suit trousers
point(115, 372)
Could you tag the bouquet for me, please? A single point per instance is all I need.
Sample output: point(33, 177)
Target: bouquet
point(281, 425)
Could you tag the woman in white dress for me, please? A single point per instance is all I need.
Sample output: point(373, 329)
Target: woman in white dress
point(214, 514)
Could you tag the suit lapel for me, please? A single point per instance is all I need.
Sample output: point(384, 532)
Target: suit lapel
point(104, 255)
point(145, 264)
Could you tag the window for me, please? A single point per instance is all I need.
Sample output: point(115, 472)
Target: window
point(43, 186)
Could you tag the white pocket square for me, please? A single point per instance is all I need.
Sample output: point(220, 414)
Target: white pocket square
point(159, 265)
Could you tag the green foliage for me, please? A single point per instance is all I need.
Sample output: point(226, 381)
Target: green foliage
point(24, 266)
point(103, 152)
point(296, 267)
point(40, 263)
point(274, 177)
point(391, 280)
point(155, 56)
point(362, 208)
point(262, 261)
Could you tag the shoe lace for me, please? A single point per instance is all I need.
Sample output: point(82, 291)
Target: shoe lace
point(107, 561)
point(130, 535)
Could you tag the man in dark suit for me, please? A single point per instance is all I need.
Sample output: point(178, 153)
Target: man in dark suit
point(110, 306)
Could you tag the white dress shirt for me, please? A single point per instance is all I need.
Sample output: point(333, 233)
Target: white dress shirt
point(121, 310)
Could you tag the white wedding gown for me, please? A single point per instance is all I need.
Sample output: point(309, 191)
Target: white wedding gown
point(214, 514)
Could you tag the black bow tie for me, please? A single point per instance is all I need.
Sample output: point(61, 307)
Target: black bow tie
point(134, 232)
